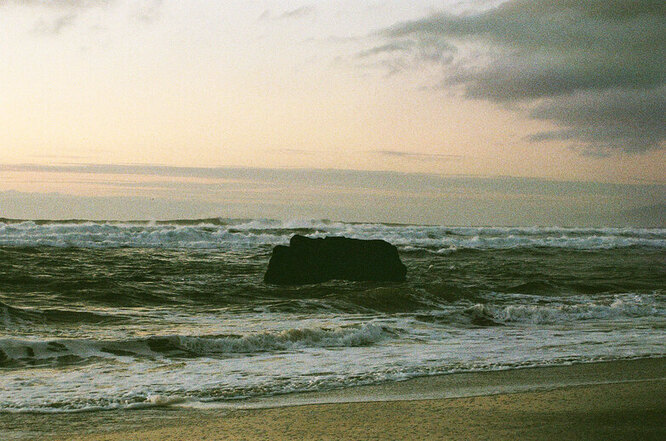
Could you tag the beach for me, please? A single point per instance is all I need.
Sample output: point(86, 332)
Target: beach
point(145, 330)
point(367, 220)
point(599, 401)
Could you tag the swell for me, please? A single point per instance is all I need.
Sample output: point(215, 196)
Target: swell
point(11, 317)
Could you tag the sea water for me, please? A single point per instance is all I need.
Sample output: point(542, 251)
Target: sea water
point(108, 315)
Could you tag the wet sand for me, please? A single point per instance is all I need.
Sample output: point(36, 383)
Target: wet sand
point(602, 401)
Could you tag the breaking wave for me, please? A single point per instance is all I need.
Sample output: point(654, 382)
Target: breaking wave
point(114, 315)
point(19, 352)
point(218, 233)
point(629, 306)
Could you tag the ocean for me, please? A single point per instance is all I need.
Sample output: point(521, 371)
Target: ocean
point(126, 315)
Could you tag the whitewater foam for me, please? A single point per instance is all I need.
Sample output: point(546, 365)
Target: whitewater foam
point(623, 306)
point(263, 232)
point(23, 352)
point(113, 315)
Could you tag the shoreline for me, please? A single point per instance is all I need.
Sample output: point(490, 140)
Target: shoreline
point(472, 384)
point(601, 399)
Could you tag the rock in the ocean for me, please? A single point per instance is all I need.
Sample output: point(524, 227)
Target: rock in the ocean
point(308, 260)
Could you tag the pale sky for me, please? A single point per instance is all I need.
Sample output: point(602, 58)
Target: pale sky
point(565, 91)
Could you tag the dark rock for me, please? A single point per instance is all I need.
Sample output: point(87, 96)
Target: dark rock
point(308, 260)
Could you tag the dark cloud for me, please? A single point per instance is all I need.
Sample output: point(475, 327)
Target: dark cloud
point(594, 68)
point(617, 119)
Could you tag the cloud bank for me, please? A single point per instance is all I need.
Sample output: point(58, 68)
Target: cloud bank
point(595, 69)
point(106, 191)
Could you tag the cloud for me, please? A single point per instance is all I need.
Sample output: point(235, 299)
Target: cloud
point(147, 11)
point(54, 16)
point(593, 68)
point(394, 46)
point(153, 191)
point(418, 156)
point(353, 178)
point(611, 120)
point(294, 151)
point(303, 11)
point(265, 15)
point(291, 14)
point(54, 27)
point(57, 4)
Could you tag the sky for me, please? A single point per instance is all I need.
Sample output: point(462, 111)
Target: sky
point(461, 112)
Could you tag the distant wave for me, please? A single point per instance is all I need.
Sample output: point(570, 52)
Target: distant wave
point(244, 234)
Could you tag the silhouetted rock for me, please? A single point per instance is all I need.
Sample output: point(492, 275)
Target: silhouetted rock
point(308, 260)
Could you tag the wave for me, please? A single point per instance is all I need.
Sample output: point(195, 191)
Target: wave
point(241, 234)
point(12, 317)
point(629, 306)
point(16, 352)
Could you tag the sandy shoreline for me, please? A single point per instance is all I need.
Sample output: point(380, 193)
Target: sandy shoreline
point(604, 401)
